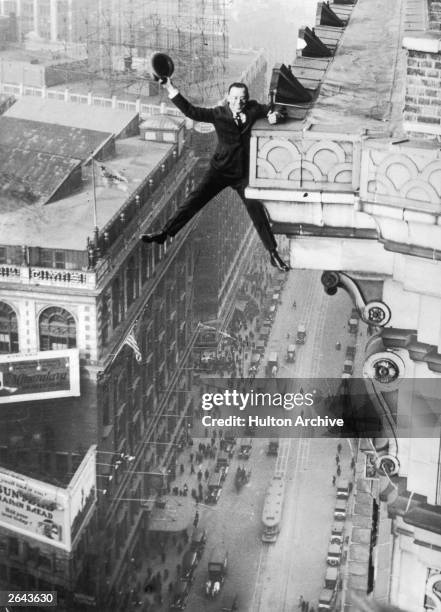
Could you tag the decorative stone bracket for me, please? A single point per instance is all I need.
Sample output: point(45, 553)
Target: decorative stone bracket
point(374, 313)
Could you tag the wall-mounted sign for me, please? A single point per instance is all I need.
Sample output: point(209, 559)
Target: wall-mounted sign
point(50, 514)
point(43, 375)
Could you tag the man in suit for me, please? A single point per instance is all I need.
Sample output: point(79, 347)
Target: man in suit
point(229, 164)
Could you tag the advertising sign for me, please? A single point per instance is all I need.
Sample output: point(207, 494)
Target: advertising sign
point(82, 493)
point(34, 508)
point(42, 375)
point(47, 513)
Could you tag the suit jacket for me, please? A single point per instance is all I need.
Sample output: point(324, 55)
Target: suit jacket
point(231, 157)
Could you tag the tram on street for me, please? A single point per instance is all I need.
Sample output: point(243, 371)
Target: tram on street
point(273, 509)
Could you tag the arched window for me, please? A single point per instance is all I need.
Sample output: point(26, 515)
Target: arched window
point(8, 329)
point(57, 329)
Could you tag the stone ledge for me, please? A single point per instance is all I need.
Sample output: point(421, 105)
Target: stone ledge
point(429, 42)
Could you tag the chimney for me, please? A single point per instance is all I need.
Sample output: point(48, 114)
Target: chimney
point(422, 110)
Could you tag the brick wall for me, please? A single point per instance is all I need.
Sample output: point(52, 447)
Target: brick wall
point(423, 85)
point(435, 14)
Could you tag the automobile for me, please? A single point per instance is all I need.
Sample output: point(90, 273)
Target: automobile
point(301, 334)
point(291, 353)
point(245, 449)
point(189, 563)
point(230, 603)
point(350, 352)
point(348, 368)
point(217, 570)
point(222, 461)
point(214, 487)
point(342, 486)
point(334, 555)
point(331, 578)
point(273, 448)
point(198, 540)
point(340, 510)
point(180, 595)
point(272, 365)
point(337, 533)
point(260, 348)
point(326, 600)
point(353, 325)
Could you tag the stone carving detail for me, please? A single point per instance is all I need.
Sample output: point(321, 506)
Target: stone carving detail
point(433, 589)
point(303, 163)
point(9, 272)
point(411, 180)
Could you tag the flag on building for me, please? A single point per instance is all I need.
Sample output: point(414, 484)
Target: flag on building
point(131, 341)
point(110, 177)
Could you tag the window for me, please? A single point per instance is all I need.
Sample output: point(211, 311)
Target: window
point(57, 329)
point(13, 546)
point(117, 303)
point(8, 329)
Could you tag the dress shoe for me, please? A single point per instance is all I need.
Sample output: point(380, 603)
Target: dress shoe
point(278, 262)
point(159, 237)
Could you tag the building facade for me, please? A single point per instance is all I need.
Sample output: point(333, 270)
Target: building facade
point(92, 300)
point(353, 179)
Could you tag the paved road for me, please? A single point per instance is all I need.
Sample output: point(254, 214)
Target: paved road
point(273, 576)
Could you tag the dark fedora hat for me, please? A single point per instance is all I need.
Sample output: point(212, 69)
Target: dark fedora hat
point(162, 66)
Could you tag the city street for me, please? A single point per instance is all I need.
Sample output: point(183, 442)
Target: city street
point(273, 576)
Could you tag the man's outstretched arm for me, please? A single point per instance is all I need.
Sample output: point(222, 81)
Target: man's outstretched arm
point(197, 113)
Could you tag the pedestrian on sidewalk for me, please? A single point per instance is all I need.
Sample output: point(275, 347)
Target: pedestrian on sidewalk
point(196, 519)
point(338, 470)
point(352, 463)
point(192, 470)
point(200, 475)
point(333, 480)
point(206, 474)
point(182, 468)
point(339, 448)
point(337, 459)
point(351, 486)
point(191, 457)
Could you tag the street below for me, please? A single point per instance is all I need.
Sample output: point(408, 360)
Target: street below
point(273, 576)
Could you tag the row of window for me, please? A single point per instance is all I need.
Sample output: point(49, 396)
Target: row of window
point(56, 328)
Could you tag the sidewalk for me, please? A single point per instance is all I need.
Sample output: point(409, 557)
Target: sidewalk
point(167, 548)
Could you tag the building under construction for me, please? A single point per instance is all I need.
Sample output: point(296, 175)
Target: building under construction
point(118, 37)
point(123, 34)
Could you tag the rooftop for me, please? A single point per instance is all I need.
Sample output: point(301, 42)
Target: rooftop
point(359, 91)
point(55, 139)
point(58, 112)
point(67, 223)
point(36, 56)
point(28, 175)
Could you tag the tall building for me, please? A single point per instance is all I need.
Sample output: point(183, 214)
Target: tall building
point(96, 329)
point(353, 178)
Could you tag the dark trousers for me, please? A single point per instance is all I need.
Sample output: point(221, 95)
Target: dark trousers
point(212, 183)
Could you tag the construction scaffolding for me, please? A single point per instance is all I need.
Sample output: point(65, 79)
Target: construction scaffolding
point(123, 34)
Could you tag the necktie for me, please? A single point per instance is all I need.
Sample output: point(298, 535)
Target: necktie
point(238, 120)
